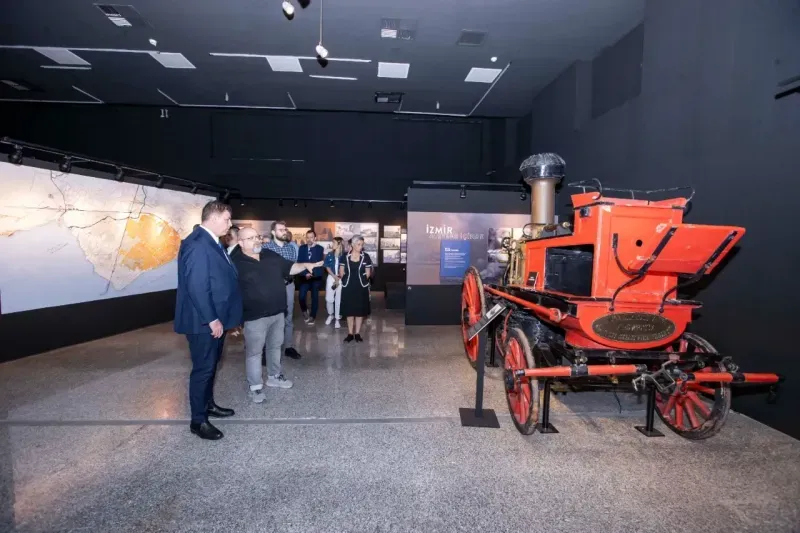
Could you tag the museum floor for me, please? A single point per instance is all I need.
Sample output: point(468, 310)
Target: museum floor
point(95, 438)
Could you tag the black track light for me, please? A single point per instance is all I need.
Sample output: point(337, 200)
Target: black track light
point(16, 157)
point(295, 203)
point(194, 189)
point(463, 192)
point(160, 182)
point(120, 175)
point(226, 196)
point(369, 205)
point(332, 204)
point(280, 202)
point(523, 196)
point(66, 165)
point(241, 202)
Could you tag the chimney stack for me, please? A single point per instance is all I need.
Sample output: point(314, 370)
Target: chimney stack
point(543, 172)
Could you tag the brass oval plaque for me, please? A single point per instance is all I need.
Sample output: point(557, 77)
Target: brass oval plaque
point(633, 327)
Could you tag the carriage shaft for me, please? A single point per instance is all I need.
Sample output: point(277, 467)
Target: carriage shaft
point(733, 377)
point(575, 371)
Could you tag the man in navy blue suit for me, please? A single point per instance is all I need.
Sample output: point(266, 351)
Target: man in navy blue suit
point(208, 304)
point(310, 281)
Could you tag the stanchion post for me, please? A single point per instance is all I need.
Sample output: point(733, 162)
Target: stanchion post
point(480, 417)
point(545, 426)
point(648, 430)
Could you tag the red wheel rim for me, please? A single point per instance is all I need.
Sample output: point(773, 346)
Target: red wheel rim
point(691, 405)
point(519, 398)
point(470, 314)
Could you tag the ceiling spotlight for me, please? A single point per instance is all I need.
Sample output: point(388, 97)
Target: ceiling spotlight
point(523, 196)
point(120, 174)
point(280, 203)
point(241, 202)
point(16, 157)
point(321, 51)
point(493, 59)
point(463, 192)
point(160, 182)
point(288, 8)
point(332, 205)
point(295, 203)
point(226, 196)
point(66, 165)
point(369, 205)
point(194, 189)
point(153, 42)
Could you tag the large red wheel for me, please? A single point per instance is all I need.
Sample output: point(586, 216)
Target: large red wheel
point(473, 307)
point(523, 394)
point(695, 410)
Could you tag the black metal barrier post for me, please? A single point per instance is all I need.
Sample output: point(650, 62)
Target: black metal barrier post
point(545, 426)
point(480, 417)
point(648, 430)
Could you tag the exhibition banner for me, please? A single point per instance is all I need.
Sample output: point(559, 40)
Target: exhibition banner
point(441, 246)
point(66, 238)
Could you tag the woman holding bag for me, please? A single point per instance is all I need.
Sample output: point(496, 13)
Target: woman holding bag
point(333, 283)
point(355, 272)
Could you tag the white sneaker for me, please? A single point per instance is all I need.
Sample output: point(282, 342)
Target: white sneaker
point(279, 382)
point(329, 320)
point(337, 325)
point(257, 395)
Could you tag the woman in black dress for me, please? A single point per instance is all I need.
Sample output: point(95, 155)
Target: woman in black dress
point(355, 273)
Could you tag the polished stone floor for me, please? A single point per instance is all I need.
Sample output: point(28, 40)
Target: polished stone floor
point(94, 438)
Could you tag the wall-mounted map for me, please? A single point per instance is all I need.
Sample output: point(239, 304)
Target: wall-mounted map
point(69, 238)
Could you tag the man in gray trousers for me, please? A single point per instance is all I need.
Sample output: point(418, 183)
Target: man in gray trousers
point(261, 282)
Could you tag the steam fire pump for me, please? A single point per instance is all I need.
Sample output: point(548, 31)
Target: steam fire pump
point(595, 304)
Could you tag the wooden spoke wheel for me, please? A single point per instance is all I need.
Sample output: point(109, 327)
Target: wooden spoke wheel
point(473, 307)
point(695, 410)
point(523, 394)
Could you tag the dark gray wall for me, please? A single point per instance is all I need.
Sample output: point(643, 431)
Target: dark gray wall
point(361, 155)
point(705, 116)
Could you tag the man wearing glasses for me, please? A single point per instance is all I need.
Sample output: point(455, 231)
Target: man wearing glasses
point(261, 282)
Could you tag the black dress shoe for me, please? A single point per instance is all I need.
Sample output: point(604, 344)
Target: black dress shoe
point(349, 338)
point(263, 360)
point(205, 431)
point(292, 353)
point(219, 412)
point(358, 338)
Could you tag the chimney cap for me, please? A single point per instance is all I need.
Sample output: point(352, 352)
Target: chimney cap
point(541, 166)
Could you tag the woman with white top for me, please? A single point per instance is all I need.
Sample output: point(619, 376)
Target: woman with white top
point(333, 283)
point(355, 272)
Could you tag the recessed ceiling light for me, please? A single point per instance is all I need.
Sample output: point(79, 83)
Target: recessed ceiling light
point(482, 75)
point(393, 70)
point(284, 64)
point(62, 56)
point(494, 58)
point(171, 59)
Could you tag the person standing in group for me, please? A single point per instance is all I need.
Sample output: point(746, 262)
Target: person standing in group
point(310, 252)
point(280, 243)
point(232, 239)
point(262, 281)
point(333, 283)
point(355, 272)
point(208, 303)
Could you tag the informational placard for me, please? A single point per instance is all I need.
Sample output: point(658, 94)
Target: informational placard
point(441, 246)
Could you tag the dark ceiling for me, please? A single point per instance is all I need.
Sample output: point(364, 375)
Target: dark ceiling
point(73, 51)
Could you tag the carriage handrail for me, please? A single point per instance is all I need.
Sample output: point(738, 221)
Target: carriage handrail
point(595, 184)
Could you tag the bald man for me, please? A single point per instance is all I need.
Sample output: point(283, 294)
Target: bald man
point(261, 281)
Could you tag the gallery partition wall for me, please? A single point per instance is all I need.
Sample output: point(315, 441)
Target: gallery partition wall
point(452, 227)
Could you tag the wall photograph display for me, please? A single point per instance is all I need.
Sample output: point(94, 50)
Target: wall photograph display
point(69, 238)
point(346, 230)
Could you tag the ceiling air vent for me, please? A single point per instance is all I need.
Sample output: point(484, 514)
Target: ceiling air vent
point(403, 29)
point(124, 16)
point(471, 38)
point(388, 98)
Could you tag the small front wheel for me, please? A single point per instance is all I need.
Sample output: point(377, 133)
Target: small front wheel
point(523, 395)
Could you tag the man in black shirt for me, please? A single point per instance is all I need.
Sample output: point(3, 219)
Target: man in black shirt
point(261, 281)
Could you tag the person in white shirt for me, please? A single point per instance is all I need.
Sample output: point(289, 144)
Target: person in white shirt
point(333, 283)
point(232, 239)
